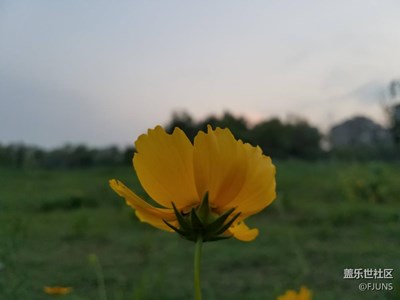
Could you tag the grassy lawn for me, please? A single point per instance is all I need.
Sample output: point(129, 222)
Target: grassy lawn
point(328, 217)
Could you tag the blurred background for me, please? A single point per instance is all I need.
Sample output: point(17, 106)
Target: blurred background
point(315, 84)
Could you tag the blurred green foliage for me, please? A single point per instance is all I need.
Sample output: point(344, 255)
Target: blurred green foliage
point(370, 183)
point(317, 227)
point(292, 139)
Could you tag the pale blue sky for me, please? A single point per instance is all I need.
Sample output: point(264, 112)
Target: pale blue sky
point(102, 72)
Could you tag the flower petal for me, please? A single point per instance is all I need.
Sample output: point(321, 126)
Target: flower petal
point(144, 211)
point(305, 293)
point(220, 165)
point(243, 233)
point(258, 190)
point(57, 290)
point(236, 175)
point(164, 166)
point(289, 295)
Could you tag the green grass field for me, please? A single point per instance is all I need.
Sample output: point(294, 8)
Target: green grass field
point(328, 217)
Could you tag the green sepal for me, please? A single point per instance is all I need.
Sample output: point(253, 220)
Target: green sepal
point(202, 223)
point(227, 225)
point(217, 223)
point(197, 224)
point(203, 211)
point(181, 232)
point(218, 238)
point(184, 225)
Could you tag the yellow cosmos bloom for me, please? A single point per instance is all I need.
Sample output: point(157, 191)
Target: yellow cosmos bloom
point(232, 175)
point(303, 294)
point(57, 290)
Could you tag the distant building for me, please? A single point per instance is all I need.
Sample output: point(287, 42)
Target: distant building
point(396, 113)
point(396, 123)
point(359, 131)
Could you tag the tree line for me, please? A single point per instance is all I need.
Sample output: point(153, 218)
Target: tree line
point(65, 157)
point(293, 138)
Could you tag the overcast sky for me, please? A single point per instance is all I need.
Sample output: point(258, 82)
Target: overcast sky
point(102, 72)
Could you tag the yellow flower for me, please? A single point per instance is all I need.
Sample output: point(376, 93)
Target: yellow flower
point(303, 294)
point(57, 290)
point(178, 175)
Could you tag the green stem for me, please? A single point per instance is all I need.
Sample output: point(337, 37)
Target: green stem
point(197, 262)
point(93, 259)
point(100, 279)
